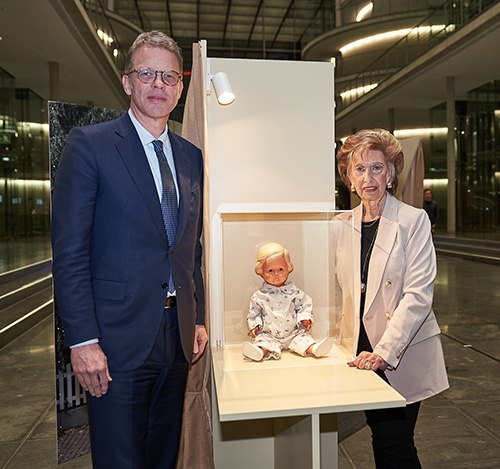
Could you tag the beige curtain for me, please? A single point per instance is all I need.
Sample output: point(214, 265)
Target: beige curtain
point(196, 450)
point(411, 180)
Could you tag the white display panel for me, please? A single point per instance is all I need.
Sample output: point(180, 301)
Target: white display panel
point(275, 142)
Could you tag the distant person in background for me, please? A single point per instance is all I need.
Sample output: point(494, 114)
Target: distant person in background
point(431, 207)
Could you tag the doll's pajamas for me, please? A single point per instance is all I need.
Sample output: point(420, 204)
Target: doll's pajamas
point(278, 312)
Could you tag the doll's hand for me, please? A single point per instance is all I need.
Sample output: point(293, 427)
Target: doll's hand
point(307, 324)
point(254, 331)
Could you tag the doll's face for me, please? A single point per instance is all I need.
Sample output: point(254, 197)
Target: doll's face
point(275, 272)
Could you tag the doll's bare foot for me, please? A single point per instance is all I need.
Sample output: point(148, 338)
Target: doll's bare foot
point(321, 348)
point(252, 352)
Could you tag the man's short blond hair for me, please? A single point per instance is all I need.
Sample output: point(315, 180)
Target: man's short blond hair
point(153, 39)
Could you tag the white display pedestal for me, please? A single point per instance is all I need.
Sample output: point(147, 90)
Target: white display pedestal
point(285, 417)
point(270, 178)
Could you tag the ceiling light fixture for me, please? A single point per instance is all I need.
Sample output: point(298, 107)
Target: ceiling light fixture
point(408, 133)
point(358, 92)
point(364, 12)
point(394, 35)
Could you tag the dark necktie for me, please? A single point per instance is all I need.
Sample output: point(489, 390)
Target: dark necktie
point(169, 207)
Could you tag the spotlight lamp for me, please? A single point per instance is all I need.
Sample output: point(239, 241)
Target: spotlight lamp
point(222, 88)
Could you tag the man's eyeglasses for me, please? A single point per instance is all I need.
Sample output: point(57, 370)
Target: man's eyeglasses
point(148, 76)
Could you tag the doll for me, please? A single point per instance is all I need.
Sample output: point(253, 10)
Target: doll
point(280, 315)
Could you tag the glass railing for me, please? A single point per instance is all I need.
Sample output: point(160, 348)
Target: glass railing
point(436, 27)
point(98, 15)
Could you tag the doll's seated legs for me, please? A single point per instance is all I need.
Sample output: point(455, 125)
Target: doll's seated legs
point(304, 343)
point(321, 348)
point(268, 342)
point(301, 342)
point(252, 352)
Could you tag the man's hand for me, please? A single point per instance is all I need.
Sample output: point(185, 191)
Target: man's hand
point(91, 368)
point(200, 340)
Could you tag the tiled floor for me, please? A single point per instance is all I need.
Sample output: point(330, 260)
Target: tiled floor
point(27, 393)
point(458, 429)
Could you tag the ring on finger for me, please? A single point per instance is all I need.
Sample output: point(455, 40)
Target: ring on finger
point(368, 365)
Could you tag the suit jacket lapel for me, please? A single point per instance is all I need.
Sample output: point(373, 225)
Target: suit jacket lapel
point(183, 172)
point(382, 248)
point(134, 157)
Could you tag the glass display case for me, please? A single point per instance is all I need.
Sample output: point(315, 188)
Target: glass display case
point(319, 240)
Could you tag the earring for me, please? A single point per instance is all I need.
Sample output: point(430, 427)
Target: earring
point(389, 186)
point(353, 189)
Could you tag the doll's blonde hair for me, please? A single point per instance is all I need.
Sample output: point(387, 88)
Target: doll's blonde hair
point(269, 252)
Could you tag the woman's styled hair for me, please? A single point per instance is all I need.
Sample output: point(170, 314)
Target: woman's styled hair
point(371, 139)
point(153, 39)
point(269, 252)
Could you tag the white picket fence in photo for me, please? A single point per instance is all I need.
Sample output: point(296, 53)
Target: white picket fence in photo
point(69, 392)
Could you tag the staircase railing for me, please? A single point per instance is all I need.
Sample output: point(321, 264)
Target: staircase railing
point(97, 14)
point(428, 33)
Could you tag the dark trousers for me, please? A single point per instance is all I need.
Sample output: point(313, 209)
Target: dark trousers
point(137, 423)
point(392, 437)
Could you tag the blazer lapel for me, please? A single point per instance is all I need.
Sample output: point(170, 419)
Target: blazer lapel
point(183, 171)
point(382, 248)
point(134, 157)
point(358, 212)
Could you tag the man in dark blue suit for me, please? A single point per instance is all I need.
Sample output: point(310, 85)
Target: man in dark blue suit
point(128, 288)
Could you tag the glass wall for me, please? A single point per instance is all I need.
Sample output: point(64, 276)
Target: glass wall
point(478, 171)
point(436, 173)
point(478, 161)
point(24, 185)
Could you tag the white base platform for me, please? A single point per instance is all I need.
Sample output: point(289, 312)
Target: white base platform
point(282, 413)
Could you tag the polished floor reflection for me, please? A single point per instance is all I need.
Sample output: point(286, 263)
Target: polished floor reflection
point(24, 251)
point(458, 429)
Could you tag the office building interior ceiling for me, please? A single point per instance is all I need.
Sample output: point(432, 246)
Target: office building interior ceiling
point(254, 29)
point(236, 28)
point(270, 29)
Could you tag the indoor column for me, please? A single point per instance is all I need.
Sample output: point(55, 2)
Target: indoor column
point(451, 154)
point(54, 83)
point(392, 121)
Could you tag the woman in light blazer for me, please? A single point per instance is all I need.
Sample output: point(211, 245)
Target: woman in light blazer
point(394, 271)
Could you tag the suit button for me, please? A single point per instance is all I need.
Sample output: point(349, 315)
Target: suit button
point(388, 283)
point(164, 285)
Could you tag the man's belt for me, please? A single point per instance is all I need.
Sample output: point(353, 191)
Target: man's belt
point(170, 302)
